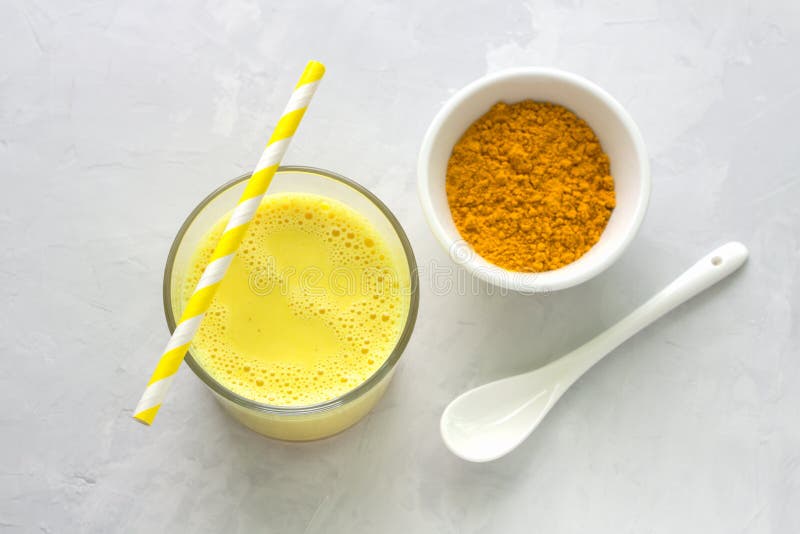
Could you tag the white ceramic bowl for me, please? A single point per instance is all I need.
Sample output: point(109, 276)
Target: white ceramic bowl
point(619, 137)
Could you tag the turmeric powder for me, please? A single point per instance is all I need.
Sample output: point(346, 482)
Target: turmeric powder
point(529, 186)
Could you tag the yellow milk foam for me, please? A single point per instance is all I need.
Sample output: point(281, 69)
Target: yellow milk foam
point(311, 306)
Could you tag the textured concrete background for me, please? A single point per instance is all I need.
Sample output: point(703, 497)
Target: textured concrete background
point(116, 118)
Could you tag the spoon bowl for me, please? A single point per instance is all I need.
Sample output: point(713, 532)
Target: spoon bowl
point(491, 420)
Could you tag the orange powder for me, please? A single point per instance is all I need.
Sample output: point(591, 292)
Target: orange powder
point(529, 186)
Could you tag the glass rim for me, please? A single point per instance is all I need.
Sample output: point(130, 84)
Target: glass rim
point(374, 379)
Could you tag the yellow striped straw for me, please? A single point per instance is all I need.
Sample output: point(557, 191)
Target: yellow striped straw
point(229, 242)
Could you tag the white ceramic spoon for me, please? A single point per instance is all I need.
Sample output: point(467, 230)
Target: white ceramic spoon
point(489, 421)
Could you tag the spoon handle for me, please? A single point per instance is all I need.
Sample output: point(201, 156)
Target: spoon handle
point(708, 271)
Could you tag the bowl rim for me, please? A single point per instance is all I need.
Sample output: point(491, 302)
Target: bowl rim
point(360, 390)
point(460, 251)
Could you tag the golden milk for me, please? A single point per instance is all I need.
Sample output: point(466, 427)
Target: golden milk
point(311, 306)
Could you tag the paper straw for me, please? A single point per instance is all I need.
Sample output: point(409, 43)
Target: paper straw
point(214, 272)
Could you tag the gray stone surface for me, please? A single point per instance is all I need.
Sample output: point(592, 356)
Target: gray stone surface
point(116, 118)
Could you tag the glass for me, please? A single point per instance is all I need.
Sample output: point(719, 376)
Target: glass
point(295, 423)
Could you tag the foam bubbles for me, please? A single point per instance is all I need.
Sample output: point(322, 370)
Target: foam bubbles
point(357, 307)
